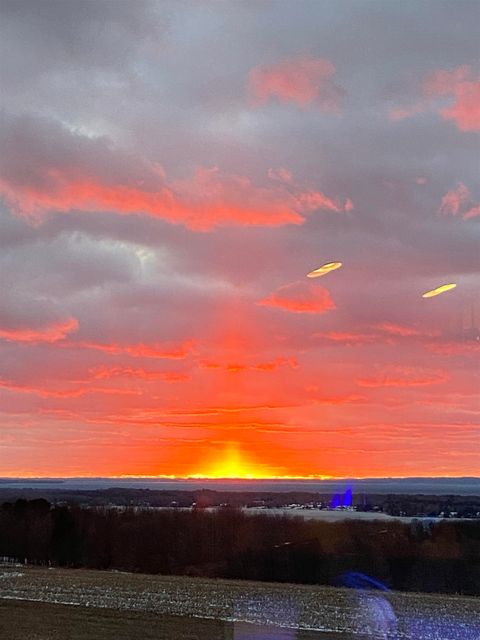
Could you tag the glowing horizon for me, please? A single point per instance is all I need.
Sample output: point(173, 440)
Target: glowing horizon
point(235, 478)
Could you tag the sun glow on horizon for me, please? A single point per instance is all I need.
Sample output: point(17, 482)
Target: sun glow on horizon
point(232, 464)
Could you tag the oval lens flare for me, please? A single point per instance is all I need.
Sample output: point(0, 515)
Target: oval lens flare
point(324, 269)
point(439, 290)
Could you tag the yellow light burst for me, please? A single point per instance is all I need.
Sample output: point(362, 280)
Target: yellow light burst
point(439, 290)
point(324, 269)
point(233, 465)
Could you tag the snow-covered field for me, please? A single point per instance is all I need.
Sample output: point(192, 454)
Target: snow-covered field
point(326, 515)
point(356, 614)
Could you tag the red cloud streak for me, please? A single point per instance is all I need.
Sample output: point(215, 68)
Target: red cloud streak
point(209, 199)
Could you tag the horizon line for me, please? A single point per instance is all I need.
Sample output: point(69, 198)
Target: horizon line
point(196, 477)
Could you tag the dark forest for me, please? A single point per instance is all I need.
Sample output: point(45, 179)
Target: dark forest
point(422, 555)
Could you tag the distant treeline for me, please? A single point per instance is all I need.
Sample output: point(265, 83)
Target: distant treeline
point(392, 504)
point(419, 556)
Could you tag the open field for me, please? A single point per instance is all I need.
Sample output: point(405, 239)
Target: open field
point(21, 620)
point(120, 605)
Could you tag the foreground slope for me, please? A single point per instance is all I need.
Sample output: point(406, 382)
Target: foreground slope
point(113, 605)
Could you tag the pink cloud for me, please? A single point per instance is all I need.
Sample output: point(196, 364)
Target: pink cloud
point(272, 365)
point(459, 201)
point(465, 110)
point(347, 337)
point(401, 113)
point(312, 200)
point(404, 377)
point(398, 330)
point(51, 333)
point(383, 333)
point(168, 352)
point(472, 213)
point(304, 80)
point(105, 372)
point(454, 199)
point(307, 198)
point(45, 392)
point(340, 399)
point(461, 86)
point(443, 82)
point(464, 88)
point(471, 348)
point(281, 174)
point(300, 297)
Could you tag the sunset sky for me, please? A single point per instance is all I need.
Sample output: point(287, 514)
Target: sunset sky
point(172, 171)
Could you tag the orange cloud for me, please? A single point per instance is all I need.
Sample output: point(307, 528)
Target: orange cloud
point(459, 201)
point(300, 297)
point(405, 377)
point(51, 333)
point(304, 80)
point(459, 84)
